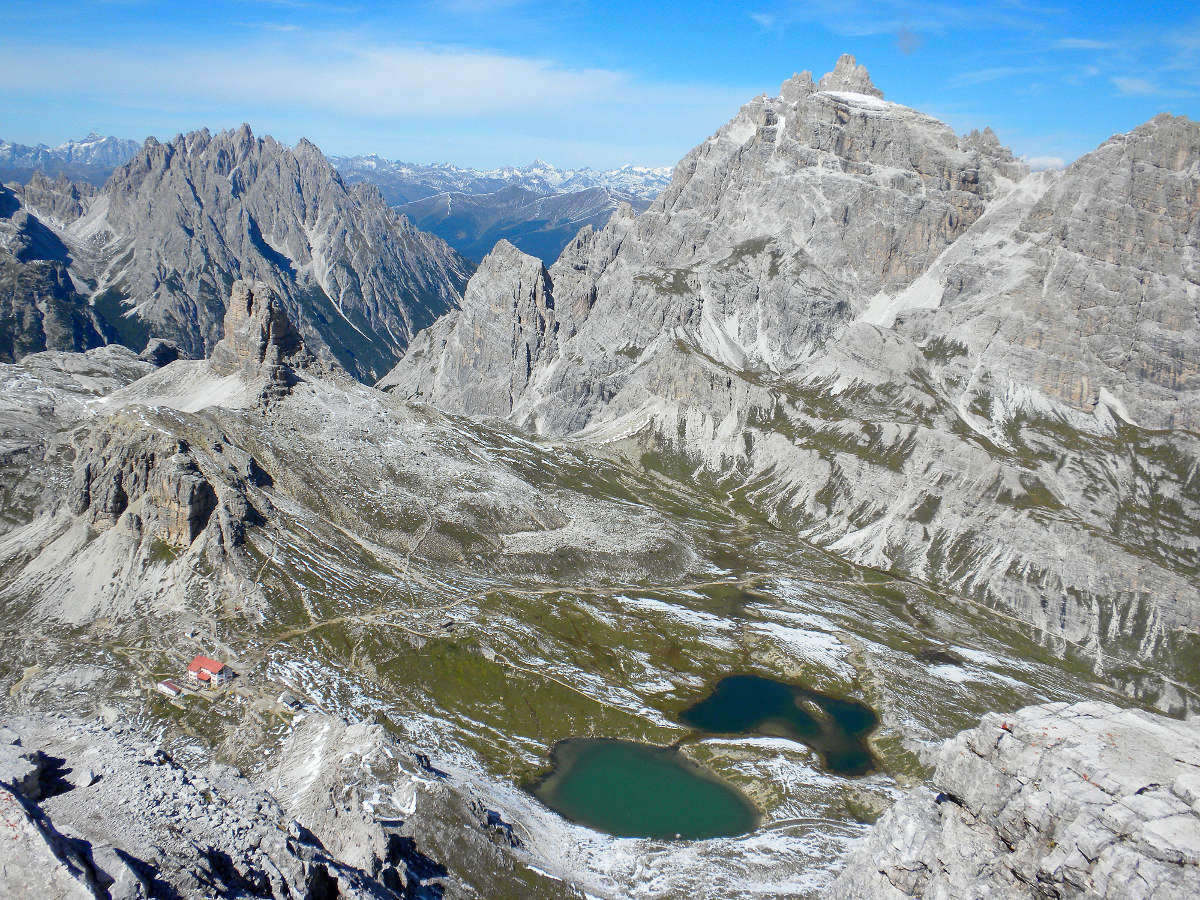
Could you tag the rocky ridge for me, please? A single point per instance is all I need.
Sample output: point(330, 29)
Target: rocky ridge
point(40, 308)
point(1058, 800)
point(357, 279)
point(868, 328)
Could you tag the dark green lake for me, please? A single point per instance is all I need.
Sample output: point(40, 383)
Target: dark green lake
point(638, 790)
point(749, 704)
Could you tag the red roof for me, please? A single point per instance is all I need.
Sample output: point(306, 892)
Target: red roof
point(203, 664)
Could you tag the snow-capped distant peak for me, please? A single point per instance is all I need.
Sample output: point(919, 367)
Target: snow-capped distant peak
point(539, 176)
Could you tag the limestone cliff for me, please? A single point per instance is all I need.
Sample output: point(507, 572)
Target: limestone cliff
point(899, 343)
point(1083, 800)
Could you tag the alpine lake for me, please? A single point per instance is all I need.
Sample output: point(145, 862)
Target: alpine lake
point(630, 789)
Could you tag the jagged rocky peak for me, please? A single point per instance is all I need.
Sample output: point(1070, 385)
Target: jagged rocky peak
point(507, 327)
point(259, 339)
point(506, 254)
point(356, 279)
point(56, 199)
point(797, 87)
point(848, 75)
point(987, 144)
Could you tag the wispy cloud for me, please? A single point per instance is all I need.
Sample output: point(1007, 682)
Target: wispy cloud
point(766, 20)
point(339, 89)
point(1081, 44)
point(1136, 87)
point(996, 73)
point(373, 81)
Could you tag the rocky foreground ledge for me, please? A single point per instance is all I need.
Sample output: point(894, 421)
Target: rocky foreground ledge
point(1052, 801)
point(1083, 800)
point(89, 810)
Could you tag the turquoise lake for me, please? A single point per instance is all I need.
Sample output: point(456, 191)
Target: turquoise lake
point(629, 789)
point(836, 729)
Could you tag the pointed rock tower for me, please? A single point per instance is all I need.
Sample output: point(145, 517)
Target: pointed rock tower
point(260, 341)
point(848, 75)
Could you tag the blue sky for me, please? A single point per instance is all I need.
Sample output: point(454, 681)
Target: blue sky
point(491, 82)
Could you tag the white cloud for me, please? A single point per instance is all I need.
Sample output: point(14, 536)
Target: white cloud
point(473, 106)
point(1136, 87)
point(766, 20)
point(1042, 163)
point(381, 81)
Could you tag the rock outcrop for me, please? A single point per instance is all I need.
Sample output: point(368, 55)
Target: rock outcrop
point(848, 75)
point(385, 811)
point(485, 359)
point(1083, 800)
point(259, 340)
point(151, 824)
point(157, 488)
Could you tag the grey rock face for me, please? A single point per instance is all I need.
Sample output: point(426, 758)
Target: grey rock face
point(153, 824)
point(35, 860)
point(505, 330)
point(259, 340)
point(1083, 800)
point(155, 479)
point(58, 201)
point(40, 308)
point(902, 345)
point(1087, 285)
point(175, 227)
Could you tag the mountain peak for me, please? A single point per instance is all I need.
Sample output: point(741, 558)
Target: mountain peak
point(797, 87)
point(848, 75)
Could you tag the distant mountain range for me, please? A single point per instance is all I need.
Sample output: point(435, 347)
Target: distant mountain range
point(538, 224)
point(402, 182)
point(91, 159)
point(538, 207)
